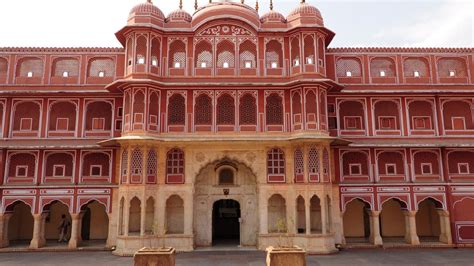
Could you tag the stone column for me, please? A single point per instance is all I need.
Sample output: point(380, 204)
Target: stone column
point(307, 213)
point(142, 217)
point(263, 209)
point(38, 239)
point(324, 215)
point(125, 216)
point(445, 226)
point(4, 219)
point(111, 232)
point(410, 228)
point(375, 237)
point(188, 213)
point(76, 238)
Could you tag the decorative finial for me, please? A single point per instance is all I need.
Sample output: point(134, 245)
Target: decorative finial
point(210, 1)
point(271, 4)
point(149, 1)
point(256, 5)
point(195, 4)
point(302, 1)
point(180, 4)
point(242, 1)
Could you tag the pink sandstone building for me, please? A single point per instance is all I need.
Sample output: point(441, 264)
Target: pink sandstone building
point(227, 126)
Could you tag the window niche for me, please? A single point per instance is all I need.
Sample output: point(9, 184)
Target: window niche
point(226, 175)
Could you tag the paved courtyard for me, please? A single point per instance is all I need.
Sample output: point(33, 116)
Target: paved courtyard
point(349, 257)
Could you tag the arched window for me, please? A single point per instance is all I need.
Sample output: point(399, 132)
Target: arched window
point(326, 164)
point(348, 67)
point(248, 110)
point(382, 67)
point(295, 52)
point(274, 54)
point(30, 67)
point(321, 48)
point(138, 109)
point(136, 166)
point(155, 52)
point(203, 110)
point(416, 67)
point(176, 110)
point(101, 67)
point(299, 166)
point(296, 110)
point(226, 177)
point(177, 58)
point(452, 67)
point(141, 51)
point(3, 66)
point(309, 58)
point(130, 52)
point(151, 166)
point(124, 165)
point(313, 164)
point(175, 166)
point(248, 51)
point(274, 110)
point(153, 110)
point(225, 110)
point(203, 55)
point(225, 54)
point(276, 165)
point(66, 67)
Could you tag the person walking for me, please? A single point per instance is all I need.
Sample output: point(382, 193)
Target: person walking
point(63, 228)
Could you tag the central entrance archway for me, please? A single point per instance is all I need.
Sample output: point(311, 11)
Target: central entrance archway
point(224, 191)
point(225, 222)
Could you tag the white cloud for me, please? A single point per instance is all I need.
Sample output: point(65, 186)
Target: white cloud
point(448, 24)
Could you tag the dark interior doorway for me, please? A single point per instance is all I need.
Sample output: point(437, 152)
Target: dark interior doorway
point(86, 224)
point(225, 222)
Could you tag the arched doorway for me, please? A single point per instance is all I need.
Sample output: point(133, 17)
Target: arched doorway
point(225, 186)
point(428, 226)
point(95, 222)
point(356, 221)
point(392, 221)
point(225, 222)
point(20, 224)
point(55, 211)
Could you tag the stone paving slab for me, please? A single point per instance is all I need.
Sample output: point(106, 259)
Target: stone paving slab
point(353, 257)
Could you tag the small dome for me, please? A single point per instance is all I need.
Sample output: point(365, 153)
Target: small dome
point(308, 13)
point(146, 9)
point(272, 16)
point(179, 16)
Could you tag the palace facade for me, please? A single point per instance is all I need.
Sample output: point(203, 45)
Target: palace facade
point(229, 127)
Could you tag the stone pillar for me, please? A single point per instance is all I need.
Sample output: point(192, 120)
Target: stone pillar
point(76, 238)
point(111, 232)
point(38, 239)
point(188, 214)
point(125, 216)
point(4, 219)
point(142, 217)
point(307, 213)
point(263, 209)
point(375, 237)
point(324, 215)
point(410, 228)
point(445, 226)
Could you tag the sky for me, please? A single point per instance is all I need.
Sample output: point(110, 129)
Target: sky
point(357, 23)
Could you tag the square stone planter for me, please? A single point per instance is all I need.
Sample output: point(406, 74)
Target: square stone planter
point(283, 256)
point(155, 256)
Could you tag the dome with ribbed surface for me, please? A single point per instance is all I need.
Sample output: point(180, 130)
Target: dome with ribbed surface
point(272, 16)
point(179, 16)
point(310, 14)
point(146, 9)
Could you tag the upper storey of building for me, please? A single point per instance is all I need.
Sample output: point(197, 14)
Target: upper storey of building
point(224, 40)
